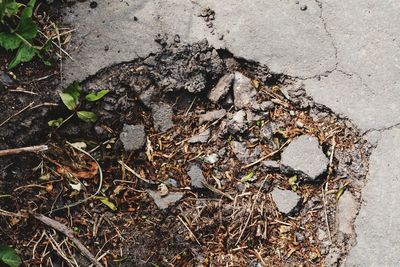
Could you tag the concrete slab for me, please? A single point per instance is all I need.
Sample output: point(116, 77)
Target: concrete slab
point(378, 223)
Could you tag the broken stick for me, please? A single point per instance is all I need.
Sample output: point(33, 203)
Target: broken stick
point(68, 233)
point(15, 151)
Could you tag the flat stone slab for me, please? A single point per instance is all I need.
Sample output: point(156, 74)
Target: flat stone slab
point(304, 154)
point(378, 223)
point(285, 200)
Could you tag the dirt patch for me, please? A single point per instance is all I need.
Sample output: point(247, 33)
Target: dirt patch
point(229, 218)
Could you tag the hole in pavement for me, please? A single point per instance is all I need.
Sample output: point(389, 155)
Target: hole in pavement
point(208, 158)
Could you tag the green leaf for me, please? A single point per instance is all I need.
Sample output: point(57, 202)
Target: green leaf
point(68, 100)
point(56, 122)
point(96, 95)
point(341, 191)
point(9, 41)
point(293, 182)
point(9, 256)
point(87, 116)
point(25, 54)
point(107, 202)
point(247, 177)
point(74, 89)
point(8, 8)
point(27, 29)
point(28, 10)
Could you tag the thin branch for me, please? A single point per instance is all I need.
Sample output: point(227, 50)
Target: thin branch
point(68, 233)
point(14, 151)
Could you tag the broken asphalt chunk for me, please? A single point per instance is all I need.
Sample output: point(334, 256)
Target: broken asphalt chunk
point(133, 137)
point(304, 155)
point(244, 93)
point(196, 176)
point(222, 88)
point(166, 201)
point(285, 200)
point(162, 117)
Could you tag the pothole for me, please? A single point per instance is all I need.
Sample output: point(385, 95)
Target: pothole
point(209, 160)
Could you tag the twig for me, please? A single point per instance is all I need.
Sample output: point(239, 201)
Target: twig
point(251, 212)
point(14, 151)
point(135, 173)
point(190, 231)
point(267, 156)
point(215, 190)
point(326, 215)
point(68, 233)
point(16, 114)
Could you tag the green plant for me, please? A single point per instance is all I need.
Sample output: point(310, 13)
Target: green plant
point(72, 99)
point(18, 32)
point(8, 256)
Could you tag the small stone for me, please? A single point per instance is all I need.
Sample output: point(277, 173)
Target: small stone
point(171, 182)
point(196, 176)
point(201, 137)
point(240, 151)
point(270, 165)
point(5, 79)
point(285, 200)
point(237, 122)
point(303, 7)
point(305, 155)
point(212, 115)
point(346, 213)
point(299, 124)
point(162, 190)
point(133, 137)
point(267, 105)
point(299, 236)
point(211, 159)
point(292, 113)
point(162, 117)
point(243, 91)
point(165, 202)
point(222, 88)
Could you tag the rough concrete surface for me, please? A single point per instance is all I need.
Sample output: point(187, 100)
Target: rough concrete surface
point(378, 224)
point(346, 53)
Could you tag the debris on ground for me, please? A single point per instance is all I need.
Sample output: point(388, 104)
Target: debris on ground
point(215, 182)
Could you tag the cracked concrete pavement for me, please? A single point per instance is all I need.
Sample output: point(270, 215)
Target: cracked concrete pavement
point(345, 53)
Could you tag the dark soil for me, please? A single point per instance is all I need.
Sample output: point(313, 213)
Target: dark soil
point(232, 224)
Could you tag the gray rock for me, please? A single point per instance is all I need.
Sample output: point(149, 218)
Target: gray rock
point(346, 213)
point(171, 182)
point(270, 165)
point(201, 137)
point(285, 200)
point(196, 176)
point(244, 93)
point(212, 115)
point(240, 151)
point(237, 122)
point(267, 105)
point(304, 155)
point(222, 88)
point(165, 201)
point(162, 117)
point(133, 137)
point(212, 158)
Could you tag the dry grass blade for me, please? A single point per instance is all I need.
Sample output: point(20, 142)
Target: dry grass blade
point(14, 151)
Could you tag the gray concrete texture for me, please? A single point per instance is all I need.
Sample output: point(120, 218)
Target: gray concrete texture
point(346, 54)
